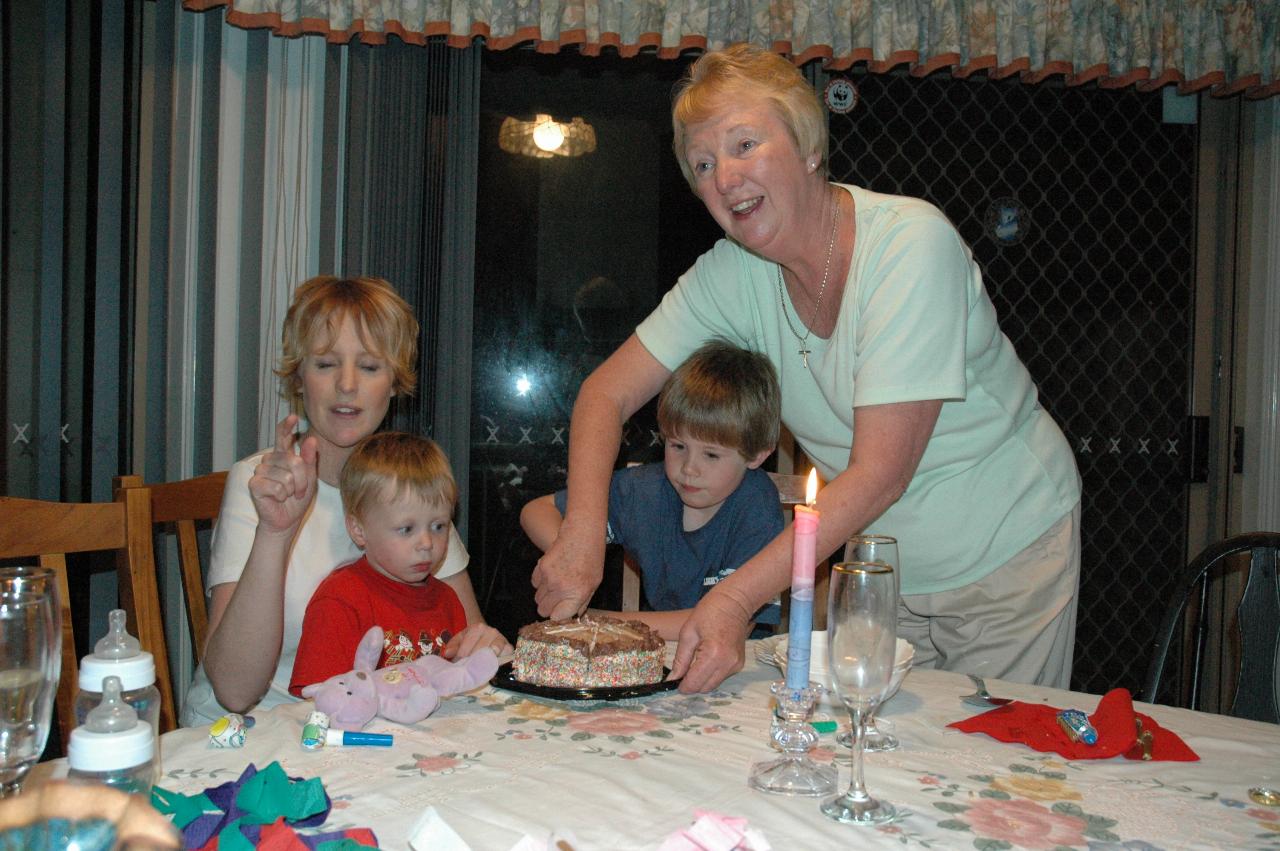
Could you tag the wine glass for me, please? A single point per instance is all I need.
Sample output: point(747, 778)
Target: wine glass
point(862, 619)
point(883, 549)
point(30, 663)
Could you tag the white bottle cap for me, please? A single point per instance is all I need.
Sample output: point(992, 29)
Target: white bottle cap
point(91, 751)
point(111, 738)
point(134, 673)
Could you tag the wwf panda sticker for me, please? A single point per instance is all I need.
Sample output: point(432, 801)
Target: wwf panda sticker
point(841, 95)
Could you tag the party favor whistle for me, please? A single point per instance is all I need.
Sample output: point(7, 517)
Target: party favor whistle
point(1077, 727)
point(229, 731)
point(315, 730)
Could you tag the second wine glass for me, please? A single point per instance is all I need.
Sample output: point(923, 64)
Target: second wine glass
point(862, 618)
point(884, 549)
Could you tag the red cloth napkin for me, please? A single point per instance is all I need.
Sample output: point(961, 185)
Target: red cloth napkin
point(1036, 725)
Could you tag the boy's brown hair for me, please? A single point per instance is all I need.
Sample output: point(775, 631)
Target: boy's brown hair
point(726, 395)
point(383, 319)
point(387, 465)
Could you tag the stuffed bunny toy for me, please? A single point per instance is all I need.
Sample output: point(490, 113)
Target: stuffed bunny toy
point(405, 693)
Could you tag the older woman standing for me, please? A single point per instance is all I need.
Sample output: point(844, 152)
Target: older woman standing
point(896, 381)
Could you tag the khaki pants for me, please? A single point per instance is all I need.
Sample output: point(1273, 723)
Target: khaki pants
point(1017, 623)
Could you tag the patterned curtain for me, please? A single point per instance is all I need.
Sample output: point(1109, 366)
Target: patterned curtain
point(1226, 46)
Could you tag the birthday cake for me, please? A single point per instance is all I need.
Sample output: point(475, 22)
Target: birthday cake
point(588, 652)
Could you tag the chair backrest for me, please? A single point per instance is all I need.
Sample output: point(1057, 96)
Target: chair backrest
point(49, 531)
point(185, 506)
point(1257, 683)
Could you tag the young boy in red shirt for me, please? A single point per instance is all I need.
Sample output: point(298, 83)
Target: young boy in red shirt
point(398, 495)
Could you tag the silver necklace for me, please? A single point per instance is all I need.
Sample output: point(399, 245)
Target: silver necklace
point(804, 351)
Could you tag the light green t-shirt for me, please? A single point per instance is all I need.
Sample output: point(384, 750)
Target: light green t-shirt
point(915, 323)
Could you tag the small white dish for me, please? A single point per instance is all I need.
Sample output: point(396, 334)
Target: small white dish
point(903, 654)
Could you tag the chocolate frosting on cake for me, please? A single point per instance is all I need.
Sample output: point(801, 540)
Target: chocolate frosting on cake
point(594, 635)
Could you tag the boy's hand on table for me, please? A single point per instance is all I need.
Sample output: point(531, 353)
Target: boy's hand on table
point(284, 482)
point(473, 638)
point(712, 644)
point(568, 574)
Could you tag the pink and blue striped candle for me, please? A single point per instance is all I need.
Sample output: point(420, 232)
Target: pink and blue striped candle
point(803, 565)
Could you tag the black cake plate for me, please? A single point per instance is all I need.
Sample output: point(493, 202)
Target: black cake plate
point(506, 679)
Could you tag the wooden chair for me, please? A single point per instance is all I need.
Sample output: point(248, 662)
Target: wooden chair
point(49, 531)
point(184, 505)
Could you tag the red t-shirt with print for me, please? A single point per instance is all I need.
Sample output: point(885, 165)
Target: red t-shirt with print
point(416, 620)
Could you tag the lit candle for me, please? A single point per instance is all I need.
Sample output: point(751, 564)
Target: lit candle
point(803, 564)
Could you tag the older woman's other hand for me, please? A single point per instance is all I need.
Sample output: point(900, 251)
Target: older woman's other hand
point(568, 574)
point(475, 637)
point(284, 482)
point(712, 643)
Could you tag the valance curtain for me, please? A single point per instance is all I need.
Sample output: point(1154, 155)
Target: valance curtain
point(1226, 46)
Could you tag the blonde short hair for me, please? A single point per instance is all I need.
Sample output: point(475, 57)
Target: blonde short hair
point(389, 464)
point(726, 395)
point(745, 72)
point(383, 319)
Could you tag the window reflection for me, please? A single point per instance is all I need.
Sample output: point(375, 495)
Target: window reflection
point(571, 252)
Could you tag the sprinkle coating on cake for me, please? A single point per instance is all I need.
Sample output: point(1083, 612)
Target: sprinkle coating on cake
point(588, 652)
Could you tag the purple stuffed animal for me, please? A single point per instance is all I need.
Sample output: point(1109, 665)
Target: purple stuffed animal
point(405, 693)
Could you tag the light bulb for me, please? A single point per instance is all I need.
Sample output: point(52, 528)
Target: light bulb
point(548, 135)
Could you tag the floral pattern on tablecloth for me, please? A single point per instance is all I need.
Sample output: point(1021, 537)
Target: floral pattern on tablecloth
point(447, 762)
point(484, 763)
point(628, 723)
point(206, 774)
point(1037, 804)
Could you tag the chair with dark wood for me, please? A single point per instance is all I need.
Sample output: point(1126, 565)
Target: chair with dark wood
point(50, 531)
point(1251, 671)
point(186, 506)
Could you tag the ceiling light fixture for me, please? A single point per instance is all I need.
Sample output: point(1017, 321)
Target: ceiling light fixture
point(544, 137)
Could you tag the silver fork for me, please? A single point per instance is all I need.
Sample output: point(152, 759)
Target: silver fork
point(982, 698)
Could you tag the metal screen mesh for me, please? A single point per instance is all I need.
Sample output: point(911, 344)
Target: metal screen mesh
point(1079, 207)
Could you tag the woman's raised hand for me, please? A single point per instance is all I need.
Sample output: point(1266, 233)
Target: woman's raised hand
point(284, 482)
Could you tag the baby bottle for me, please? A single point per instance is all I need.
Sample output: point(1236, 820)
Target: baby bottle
point(113, 746)
point(118, 654)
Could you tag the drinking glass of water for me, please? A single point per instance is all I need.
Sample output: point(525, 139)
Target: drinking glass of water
point(30, 663)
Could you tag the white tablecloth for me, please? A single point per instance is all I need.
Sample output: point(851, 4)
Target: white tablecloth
point(499, 765)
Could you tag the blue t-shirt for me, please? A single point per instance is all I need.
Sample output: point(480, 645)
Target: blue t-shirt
point(677, 567)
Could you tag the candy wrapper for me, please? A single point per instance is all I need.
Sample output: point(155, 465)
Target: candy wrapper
point(712, 831)
point(229, 731)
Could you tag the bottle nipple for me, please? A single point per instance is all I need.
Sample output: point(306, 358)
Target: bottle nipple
point(113, 714)
point(117, 643)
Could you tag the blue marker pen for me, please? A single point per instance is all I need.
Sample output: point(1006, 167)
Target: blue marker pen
point(336, 738)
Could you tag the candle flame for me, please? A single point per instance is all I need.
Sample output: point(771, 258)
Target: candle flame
point(811, 489)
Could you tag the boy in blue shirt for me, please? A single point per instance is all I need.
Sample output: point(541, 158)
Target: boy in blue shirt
point(707, 508)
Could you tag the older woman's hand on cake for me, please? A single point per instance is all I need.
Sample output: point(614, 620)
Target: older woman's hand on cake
point(475, 637)
point(708, 653)
point(568, 573)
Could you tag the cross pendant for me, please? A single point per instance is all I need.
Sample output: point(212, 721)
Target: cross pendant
point(804, 353)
